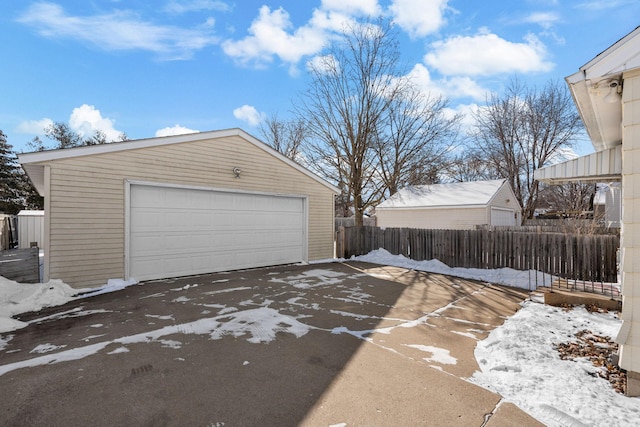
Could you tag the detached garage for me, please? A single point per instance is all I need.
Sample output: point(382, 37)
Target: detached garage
point(452, 206)
point(175, 206)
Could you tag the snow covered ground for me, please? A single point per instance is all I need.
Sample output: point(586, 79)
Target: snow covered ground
point(518, 360)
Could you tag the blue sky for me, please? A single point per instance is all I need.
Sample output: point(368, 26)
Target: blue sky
point(163, 67)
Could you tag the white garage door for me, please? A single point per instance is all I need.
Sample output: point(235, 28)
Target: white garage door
point(177, 232)
point(503, 217)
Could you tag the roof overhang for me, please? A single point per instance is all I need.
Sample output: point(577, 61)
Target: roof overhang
point(601, 166)
point(597, 87)
point(418, 207)
point(34, 163)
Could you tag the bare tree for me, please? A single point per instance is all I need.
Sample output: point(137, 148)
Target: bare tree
point(285, 136)
point(468, 165)
point(370, 129)
point(415, 138)
point(343, 107)
point(570, 199)
point(523, 130)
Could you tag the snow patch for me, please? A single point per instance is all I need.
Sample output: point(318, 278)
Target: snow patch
point(223, 291)
point(313, 278)
point(46, 348)
point(17, 298)
point(4, 341)
point(119, 350)
point(438, 355)
point(160, 317)
point(504, 276)
point(519, 361)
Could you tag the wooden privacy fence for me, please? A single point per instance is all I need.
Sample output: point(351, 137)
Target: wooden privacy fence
point(579, 257)
point(21, 265)
point(8, 232)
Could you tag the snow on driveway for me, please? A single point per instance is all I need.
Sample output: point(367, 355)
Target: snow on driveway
point(517, 360)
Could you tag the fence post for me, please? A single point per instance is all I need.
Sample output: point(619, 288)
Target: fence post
point(340, 242)
point(589, 258)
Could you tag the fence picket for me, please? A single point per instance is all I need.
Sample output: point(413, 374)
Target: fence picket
point(580, 257)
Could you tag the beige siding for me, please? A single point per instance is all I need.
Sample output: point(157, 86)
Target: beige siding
point(505, 198)
point(630, 232)
point(451, 218)
point(87, 201)
point(447, 217)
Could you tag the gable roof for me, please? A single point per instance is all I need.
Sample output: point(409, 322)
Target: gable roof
point(475, 193)
point(598, 78)
point(33, 163)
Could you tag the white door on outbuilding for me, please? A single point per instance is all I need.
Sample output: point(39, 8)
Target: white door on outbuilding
point(176, 231)
point(503, 217)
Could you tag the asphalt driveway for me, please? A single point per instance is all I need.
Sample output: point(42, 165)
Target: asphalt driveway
point(336, 344)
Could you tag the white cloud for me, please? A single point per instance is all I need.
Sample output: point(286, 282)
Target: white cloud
point(544, 19)
point(466, 111)
point(34, 127)
point(421, 77)
point(272, 34)
point(464, 87)
point(174, 130)
point(600, 5)
point(119, 30)
point(176, 6)
point(419, 17)
point(269, 37)
point(86, 119)
point(323, 64)
point(487, 54)
point(328, 22)
point(452, 88)
point(248, 114)
point(353, 7)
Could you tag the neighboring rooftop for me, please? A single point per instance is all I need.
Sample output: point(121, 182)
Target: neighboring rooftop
point(450, 194)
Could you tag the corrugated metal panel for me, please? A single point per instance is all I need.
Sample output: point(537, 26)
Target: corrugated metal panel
point(30, 229)
point(601, 166)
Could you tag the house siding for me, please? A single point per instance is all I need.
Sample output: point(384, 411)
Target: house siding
point(449, 218)
point(505, 198)
point(87, 199)
point(630, 231)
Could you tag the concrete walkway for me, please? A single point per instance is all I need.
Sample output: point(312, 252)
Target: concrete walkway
point(348, 344)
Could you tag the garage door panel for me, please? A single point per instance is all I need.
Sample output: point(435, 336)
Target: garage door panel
point(503, 217)
point(176, 232)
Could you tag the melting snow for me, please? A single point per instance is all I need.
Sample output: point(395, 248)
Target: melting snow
point(46, 348)
point(223, 291)
point(160, 317)
point(438, 355)
point(517, 359)
point(312, 278)
point(258, 325)
point(119, 350)
point(505, 276)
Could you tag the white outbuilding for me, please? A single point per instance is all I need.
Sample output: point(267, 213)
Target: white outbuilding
point(452, 206)
point(30, 229)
